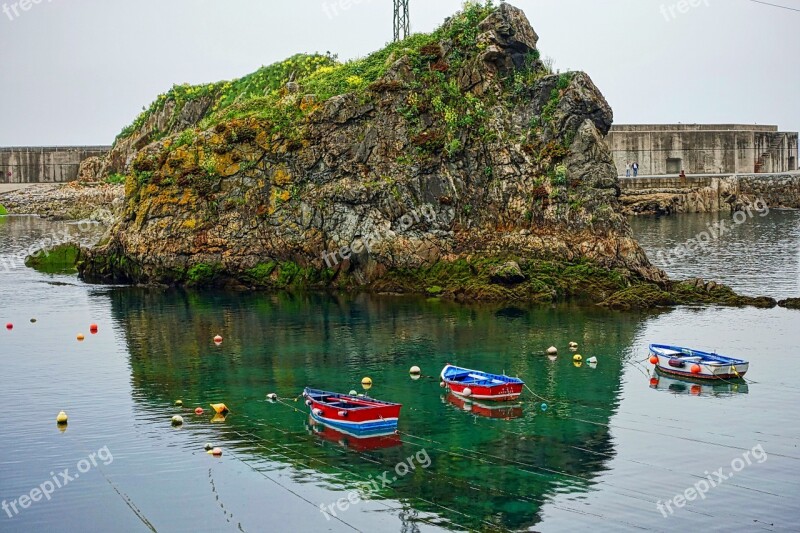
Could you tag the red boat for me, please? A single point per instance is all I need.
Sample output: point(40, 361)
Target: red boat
point(479, 385)
point(497, 410)
point(354, 414)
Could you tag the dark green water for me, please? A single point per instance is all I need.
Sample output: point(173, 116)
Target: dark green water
point(606, 450)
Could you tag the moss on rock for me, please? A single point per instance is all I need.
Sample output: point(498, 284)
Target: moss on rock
point(61, 259)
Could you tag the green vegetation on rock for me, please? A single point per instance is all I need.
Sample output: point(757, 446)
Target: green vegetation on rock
point(3, 211)
point(61, 259)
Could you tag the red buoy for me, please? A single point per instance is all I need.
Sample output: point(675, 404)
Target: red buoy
point(218, 339)
point(199, 411)
point(9, 326)
point(696, 369)
point(653, 382)
point(93, 329)
point(653, 360)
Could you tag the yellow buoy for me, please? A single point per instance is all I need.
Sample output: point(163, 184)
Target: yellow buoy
point(62, 418)
point(177, 420)
point(366, 383)
point(220, 408)
point(80, 337)
point(179, 403)
point(577, 358)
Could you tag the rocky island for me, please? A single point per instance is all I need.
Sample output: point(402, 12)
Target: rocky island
point(455, 164)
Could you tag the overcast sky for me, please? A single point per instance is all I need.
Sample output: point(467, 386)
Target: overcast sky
point(77, 71)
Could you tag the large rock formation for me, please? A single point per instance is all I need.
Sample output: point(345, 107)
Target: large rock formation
point(422, 167)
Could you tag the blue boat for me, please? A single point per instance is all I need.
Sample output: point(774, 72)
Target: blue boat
point(696, 364)
point(481, 385)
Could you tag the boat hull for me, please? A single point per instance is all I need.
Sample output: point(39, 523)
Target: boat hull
point(365, 416)
point(505, 390)
point(678, 361)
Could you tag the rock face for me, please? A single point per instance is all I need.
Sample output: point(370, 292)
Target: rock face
point(454, 155)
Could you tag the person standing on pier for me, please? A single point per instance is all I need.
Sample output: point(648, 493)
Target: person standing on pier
point(635, 169)
point(627, 169)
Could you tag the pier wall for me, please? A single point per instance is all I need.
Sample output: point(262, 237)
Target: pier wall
point(56, 164)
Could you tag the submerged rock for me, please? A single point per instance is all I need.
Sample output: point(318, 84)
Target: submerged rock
point(790, 303)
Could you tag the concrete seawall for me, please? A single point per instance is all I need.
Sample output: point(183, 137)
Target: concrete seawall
point(708, 193)
point(57, 164)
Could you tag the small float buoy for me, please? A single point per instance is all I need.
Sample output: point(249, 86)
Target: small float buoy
point(9, 326)
point(208, 447)
point(177, 420)
point(544, 407)
point(216, 452)
point(179, 403)
point(696, 369)
point(577, 358)
point(272, 397)
point(415, 370)
point(343, 414)
point(578, 364)
point(552, 350)
point(33, 321)
point(220, 408)
point(653, 360)
point(199, 411)
point(353, 393)
point(317, 412)
point(653, 381)
point(308, 402)
point(80, 337)
point(366, 382)
point(442, 384)
point(467, 392)
point(62, 418)
point(573, 345)
point(592, 360)
point(218, 340)
point(93, 329)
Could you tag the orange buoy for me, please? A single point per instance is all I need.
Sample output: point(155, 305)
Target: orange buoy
point(199, 411)
point(216, 452)
point(93, 329)
point(80, 337)
point(653, 360)
point(696, 369)
point(654, 382)
point(9, 326)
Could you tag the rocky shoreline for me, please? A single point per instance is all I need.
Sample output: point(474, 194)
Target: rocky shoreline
point(69, 201)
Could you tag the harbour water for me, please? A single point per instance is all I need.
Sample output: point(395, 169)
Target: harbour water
point(603, 447)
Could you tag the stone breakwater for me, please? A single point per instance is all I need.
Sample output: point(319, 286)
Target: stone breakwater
point(72, 201)
point(666, 195)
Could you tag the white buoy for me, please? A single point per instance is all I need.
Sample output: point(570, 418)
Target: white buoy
point(272, 397)
point(177, 420)
point(208, 447)
point(353, 393)
point(592, 360)
point(467, 392)
point(415, 370)
point(552, 350)
point(573, 344)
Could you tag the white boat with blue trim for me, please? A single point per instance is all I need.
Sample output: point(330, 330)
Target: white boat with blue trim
point(696, 364)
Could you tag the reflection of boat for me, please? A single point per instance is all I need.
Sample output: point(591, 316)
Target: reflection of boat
point(355, 414)
point(696, 387)
point(504, 411)
point(481, 385)
point(696, 364)
point(355, 441)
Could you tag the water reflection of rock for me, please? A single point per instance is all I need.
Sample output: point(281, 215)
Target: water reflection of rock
point(281, 343)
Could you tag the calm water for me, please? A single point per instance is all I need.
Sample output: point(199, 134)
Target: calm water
point(609, 446)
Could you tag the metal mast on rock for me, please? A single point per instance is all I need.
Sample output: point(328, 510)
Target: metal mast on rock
point(402, 21)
